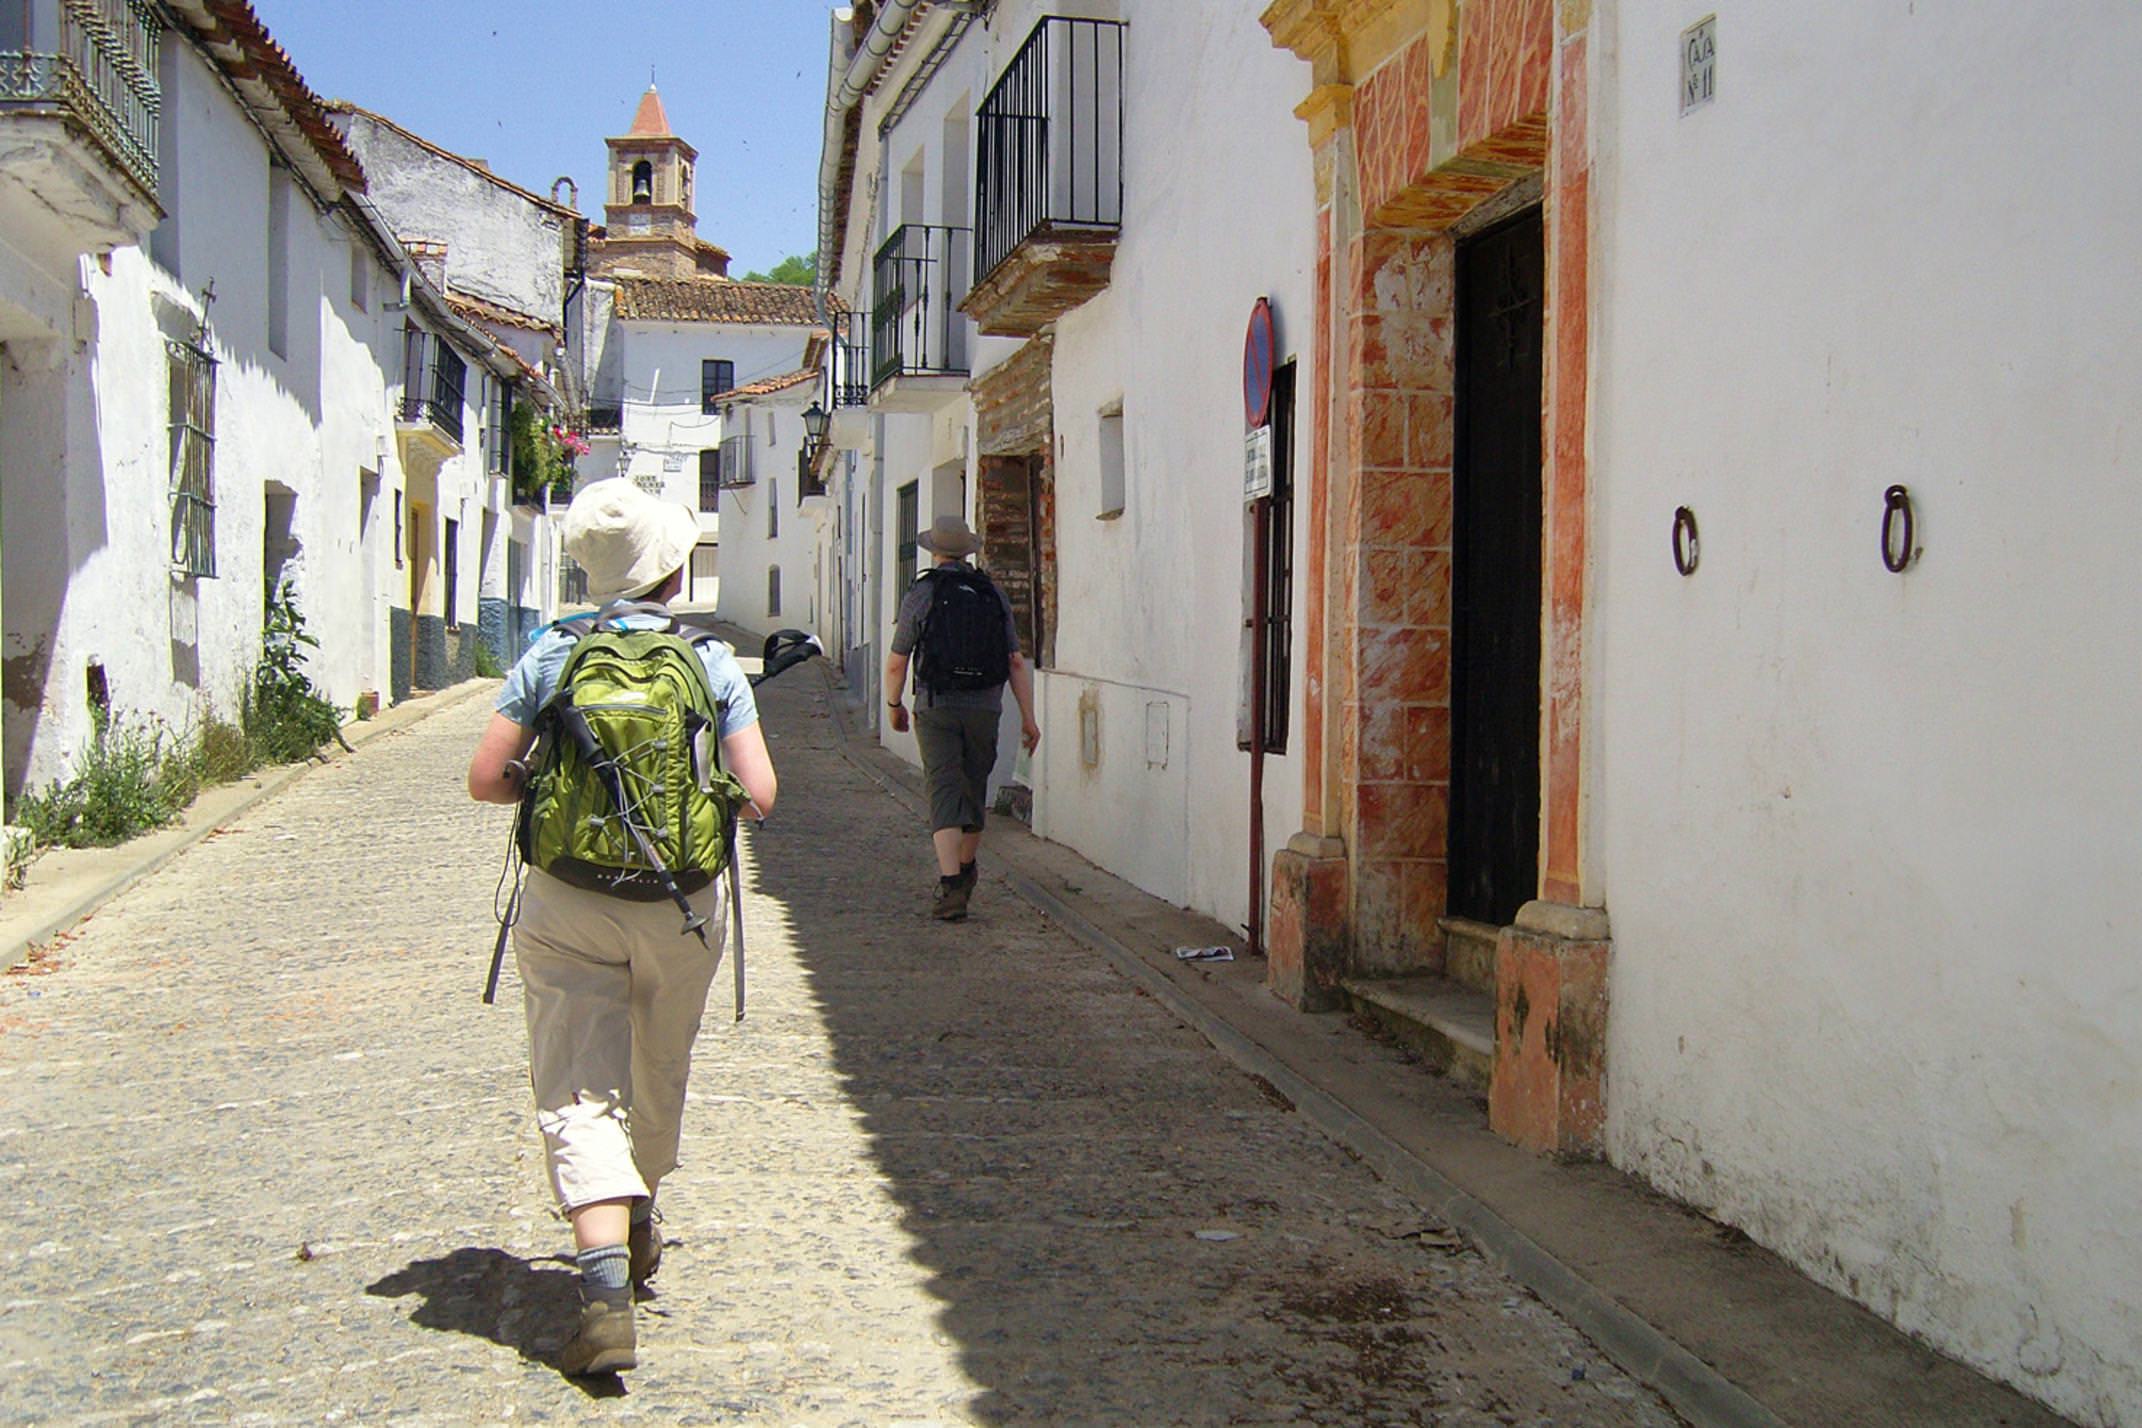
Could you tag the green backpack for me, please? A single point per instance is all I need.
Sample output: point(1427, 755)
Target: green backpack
point(627, 795)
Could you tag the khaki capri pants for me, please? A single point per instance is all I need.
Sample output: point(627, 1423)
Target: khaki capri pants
point(614, 992)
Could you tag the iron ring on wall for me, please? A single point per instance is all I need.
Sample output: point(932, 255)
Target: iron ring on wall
point(1896, 558)
point(1687, 546)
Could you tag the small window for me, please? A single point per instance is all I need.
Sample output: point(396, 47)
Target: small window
point(193, 459)
point(360, 278)
point(773, 509)
point(773, 589)
point(279, 263)
point(453, 573)
point(398, 530)
point(715, 377)
point(710, 478)
point(1111, 462)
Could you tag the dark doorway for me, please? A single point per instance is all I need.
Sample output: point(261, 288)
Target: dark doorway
point(1495, 574)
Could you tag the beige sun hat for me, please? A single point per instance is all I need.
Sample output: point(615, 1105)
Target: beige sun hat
point(626, 540)
point(949, 537)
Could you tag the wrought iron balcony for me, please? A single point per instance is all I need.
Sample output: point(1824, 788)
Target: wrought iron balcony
point(433, 379)
point(738, 464)
point(1049, 176)
point(848, 372)
point(92, 64)
point(810, 479)
point(606, 416)
point(918, 278)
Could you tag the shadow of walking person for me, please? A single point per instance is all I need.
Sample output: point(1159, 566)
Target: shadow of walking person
point(528, 1306)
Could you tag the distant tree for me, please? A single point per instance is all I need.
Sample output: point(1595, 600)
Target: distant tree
point(800, 270)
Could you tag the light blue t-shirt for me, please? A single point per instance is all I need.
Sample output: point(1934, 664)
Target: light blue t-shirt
point(535, 679)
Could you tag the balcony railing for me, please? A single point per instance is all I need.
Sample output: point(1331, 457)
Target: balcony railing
point(606, 416)
point(95, 61)
point(737, 467)
point(1049, 149)
point(433, 377)
point(918, 279)
point(848, 375)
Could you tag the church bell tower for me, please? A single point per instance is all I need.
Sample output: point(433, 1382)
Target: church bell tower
point(652, 229)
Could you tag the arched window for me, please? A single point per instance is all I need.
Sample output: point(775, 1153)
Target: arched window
point(643, 182)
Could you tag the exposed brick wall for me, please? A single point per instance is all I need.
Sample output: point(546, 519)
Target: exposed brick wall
point(1014, 402)
point(1015, 430)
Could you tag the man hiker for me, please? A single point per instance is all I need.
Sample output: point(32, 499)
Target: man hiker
point(614, 987)
point(962, 627)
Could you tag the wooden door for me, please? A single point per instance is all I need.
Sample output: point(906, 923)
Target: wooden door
point(1495, 575)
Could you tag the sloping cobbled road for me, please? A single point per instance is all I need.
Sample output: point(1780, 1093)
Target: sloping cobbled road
point(265, 1158)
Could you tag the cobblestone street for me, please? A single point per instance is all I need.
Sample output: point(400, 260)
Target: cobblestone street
point(267, 1157)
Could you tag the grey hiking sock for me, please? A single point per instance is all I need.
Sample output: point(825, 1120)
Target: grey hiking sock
point(605, 1269)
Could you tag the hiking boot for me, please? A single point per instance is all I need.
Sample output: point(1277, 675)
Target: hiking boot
point(645, 1242)
point(970, 873)
point(951, 904)
point(605, 1343)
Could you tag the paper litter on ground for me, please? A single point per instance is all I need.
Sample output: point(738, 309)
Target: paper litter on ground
point(1205, 954)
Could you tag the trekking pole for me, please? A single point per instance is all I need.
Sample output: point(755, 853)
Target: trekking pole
point(736, 912)
point(613, 781)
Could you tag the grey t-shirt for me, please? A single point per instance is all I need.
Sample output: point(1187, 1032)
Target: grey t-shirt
point(907, 633)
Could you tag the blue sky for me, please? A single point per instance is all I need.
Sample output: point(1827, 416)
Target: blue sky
point(534, 86)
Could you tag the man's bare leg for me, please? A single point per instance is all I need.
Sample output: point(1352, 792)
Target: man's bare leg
point(950, 842)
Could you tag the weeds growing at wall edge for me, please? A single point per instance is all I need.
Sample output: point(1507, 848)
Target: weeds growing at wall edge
point(139, 774)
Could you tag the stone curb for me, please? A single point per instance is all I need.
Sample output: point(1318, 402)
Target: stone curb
point(215, 809)
point(1695, 1390)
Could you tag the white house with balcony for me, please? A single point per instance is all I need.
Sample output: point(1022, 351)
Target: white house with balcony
point(1048, 228)
point(220, 375)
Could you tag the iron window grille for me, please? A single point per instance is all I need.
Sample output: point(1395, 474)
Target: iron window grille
point(1049, 146)
point(193, 459)
point(95, 60)
point(433, 379)
point(716, 376)
point(918, 279)
point(498, 422)
point(606, 417)
point(909, 527)
point(710, 479)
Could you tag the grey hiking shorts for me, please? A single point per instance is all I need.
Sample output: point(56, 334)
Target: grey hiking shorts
point(959, 752)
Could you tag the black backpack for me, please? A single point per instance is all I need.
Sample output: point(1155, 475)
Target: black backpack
point(964, 644)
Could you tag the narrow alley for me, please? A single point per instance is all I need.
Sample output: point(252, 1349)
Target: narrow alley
point(269, 1157)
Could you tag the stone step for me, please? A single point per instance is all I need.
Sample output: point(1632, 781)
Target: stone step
point(1452, 1026)
point(1469, 953)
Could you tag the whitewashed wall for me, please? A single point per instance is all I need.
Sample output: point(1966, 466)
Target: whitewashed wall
point(747, 551)
point(652, 370)
point(1150, 602)
point(500, 246)
point(1870, 843)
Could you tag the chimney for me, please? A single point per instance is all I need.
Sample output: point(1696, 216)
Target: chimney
point(429, 256)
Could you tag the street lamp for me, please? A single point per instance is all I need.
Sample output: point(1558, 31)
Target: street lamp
point(815, 421)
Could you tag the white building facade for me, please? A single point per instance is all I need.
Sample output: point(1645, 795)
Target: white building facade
point(1052, 350)
point(1781, 848)
point(221, 377)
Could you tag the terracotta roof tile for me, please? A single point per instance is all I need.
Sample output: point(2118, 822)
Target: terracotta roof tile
point(478, 309)
point(262, 72)
point(651, 119)
point(768, 386)
point(717, 300)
